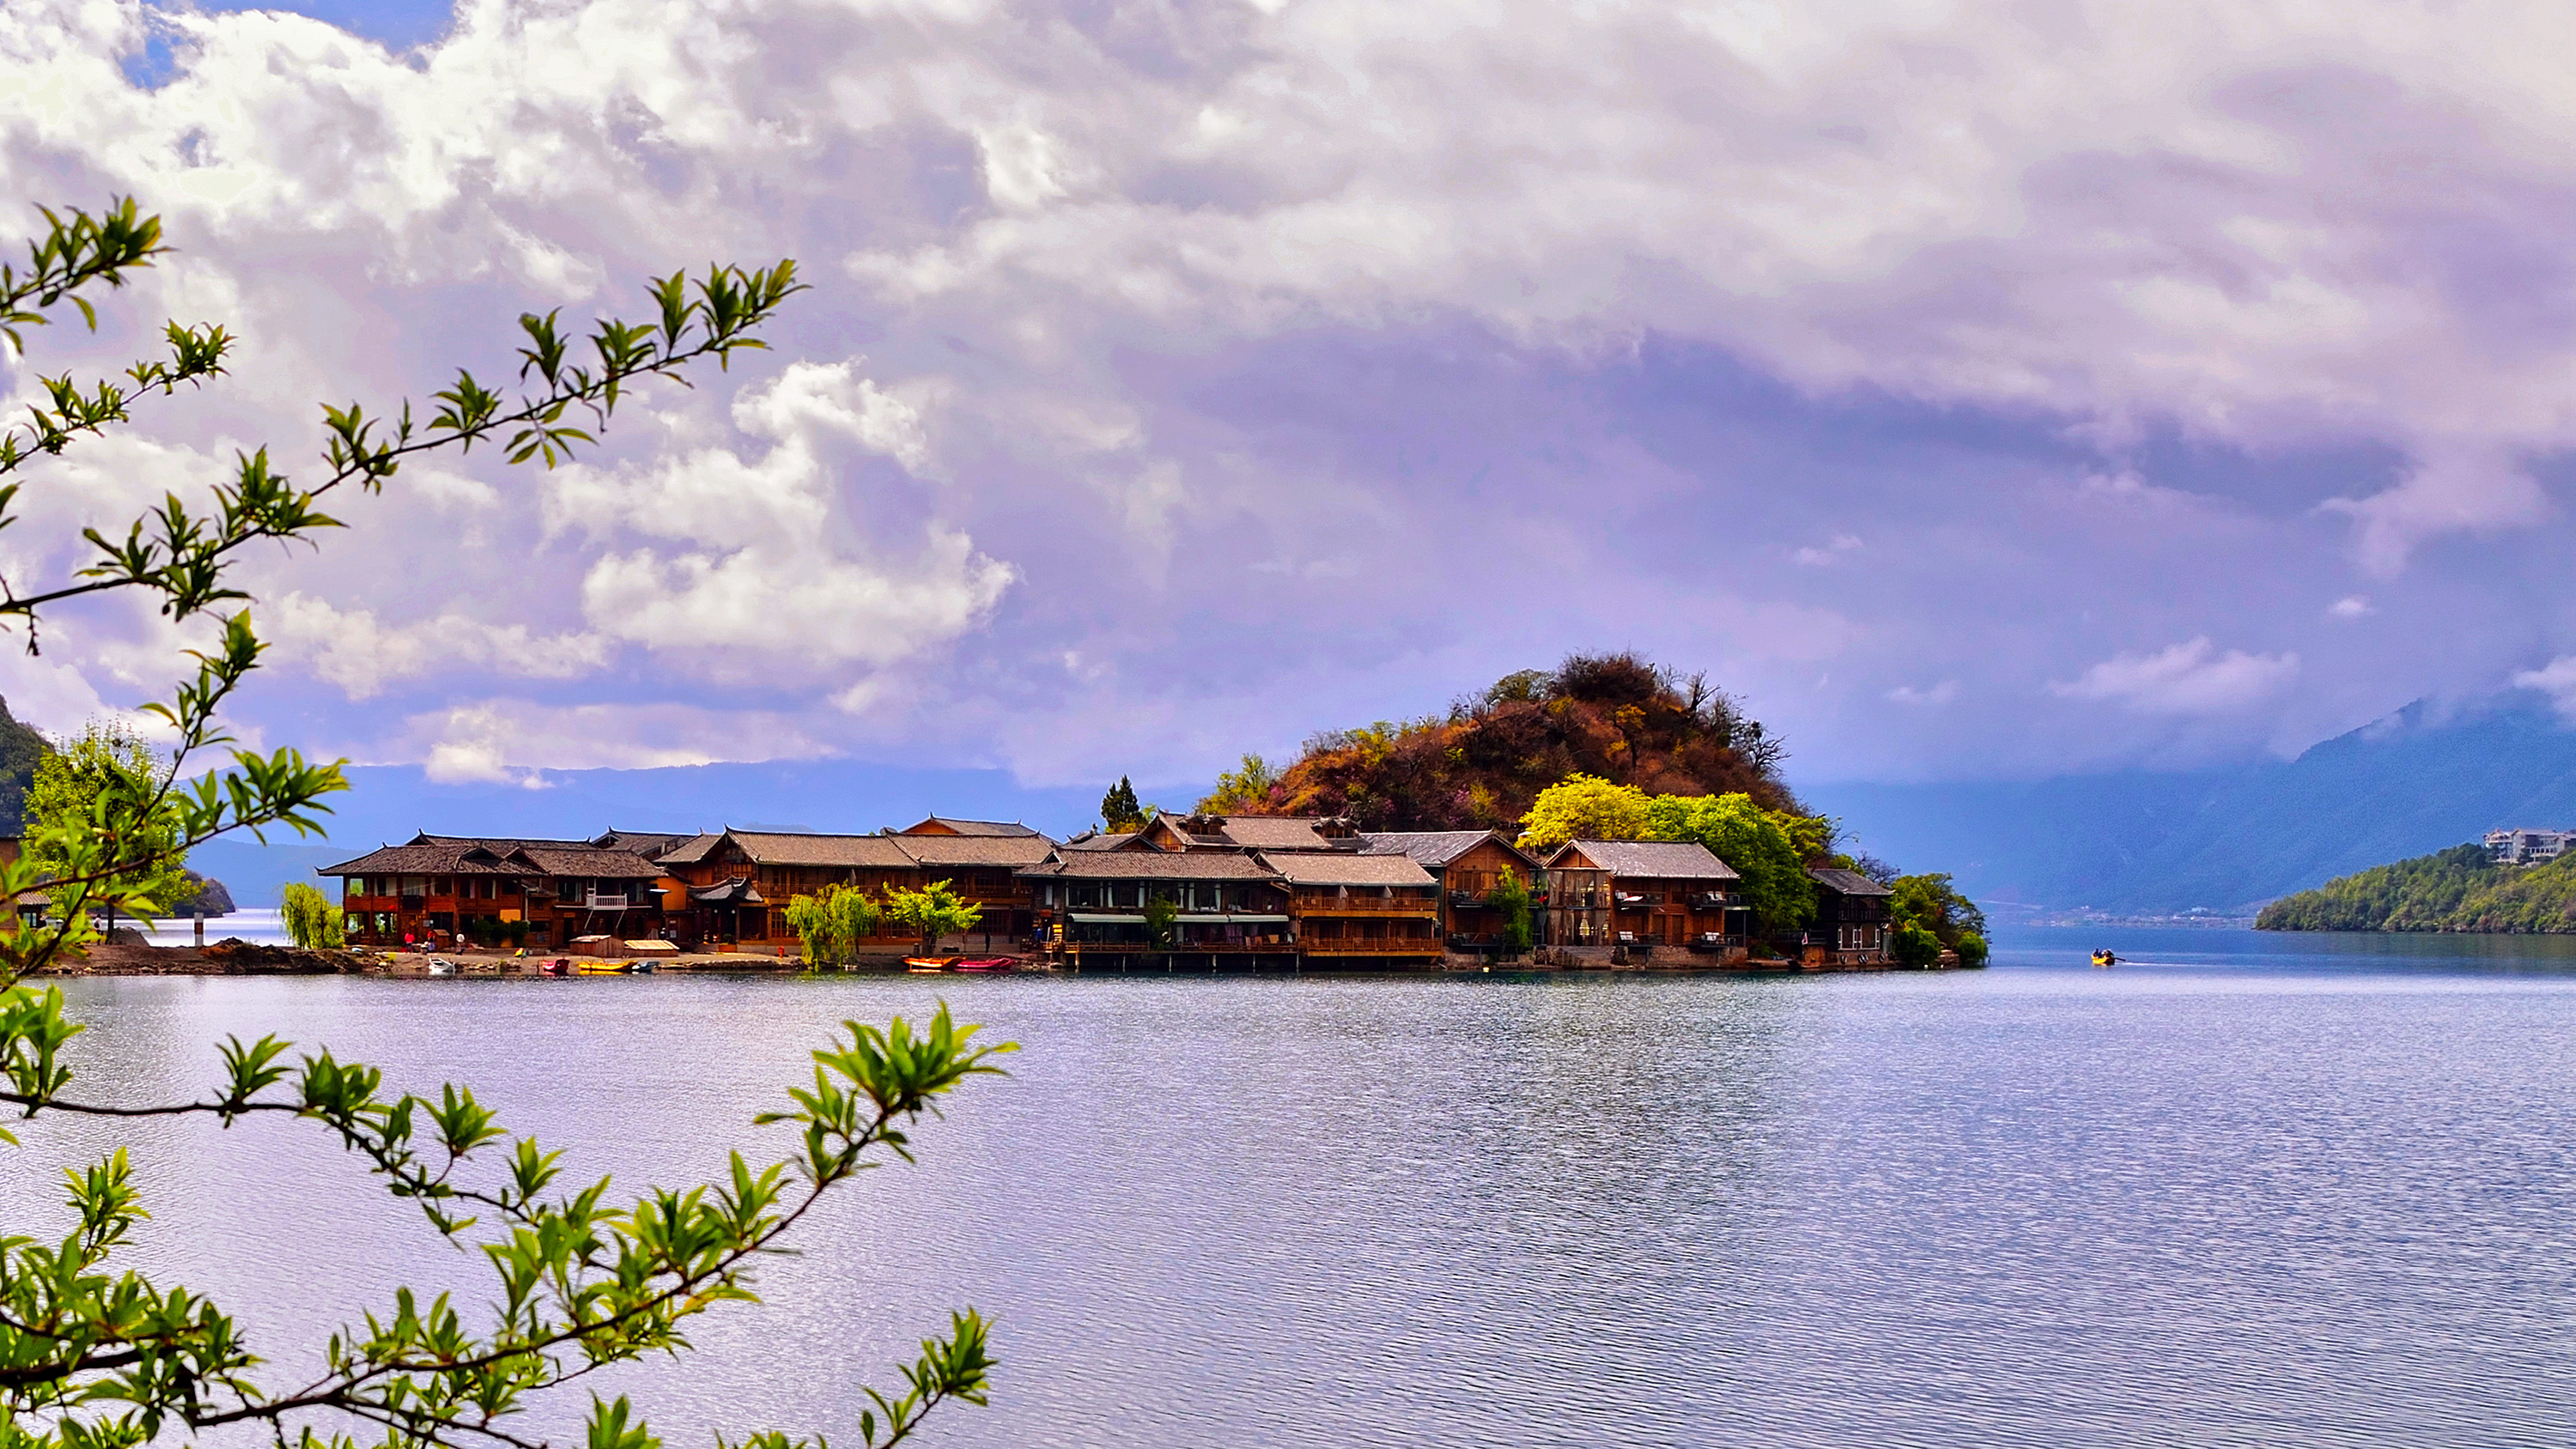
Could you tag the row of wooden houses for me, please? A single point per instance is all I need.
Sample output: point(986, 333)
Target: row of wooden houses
point(1256, 892)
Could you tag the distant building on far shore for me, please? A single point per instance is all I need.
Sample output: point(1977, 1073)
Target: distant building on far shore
point(2528, 847)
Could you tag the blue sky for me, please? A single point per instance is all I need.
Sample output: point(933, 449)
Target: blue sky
point(1977, 390)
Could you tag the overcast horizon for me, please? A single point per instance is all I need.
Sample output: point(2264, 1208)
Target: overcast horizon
point(1974, 391)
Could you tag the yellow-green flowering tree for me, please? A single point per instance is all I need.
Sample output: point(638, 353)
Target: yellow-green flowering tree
point(1584, 807)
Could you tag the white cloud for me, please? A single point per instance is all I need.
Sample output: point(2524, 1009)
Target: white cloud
point(2351, 606)
point(513, 740)
point(2190, 678)
point(1813, 557)
point(2557, 679)
point(352, 649)
point(1942, 693)
point(2455, 489)
point(828, 397)
point(791, 604)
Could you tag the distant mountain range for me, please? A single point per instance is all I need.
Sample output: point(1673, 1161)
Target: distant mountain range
point(2228, 839)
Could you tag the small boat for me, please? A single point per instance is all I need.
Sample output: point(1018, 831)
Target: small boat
point(986, 965)
point(441, 966)
point(2105, 958)
point(925, 965)
point(556, 967)
point(602, 967)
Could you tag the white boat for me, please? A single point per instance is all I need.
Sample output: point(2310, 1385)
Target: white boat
point(441, 966)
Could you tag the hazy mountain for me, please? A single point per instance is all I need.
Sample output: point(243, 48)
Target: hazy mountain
point(2227, 839)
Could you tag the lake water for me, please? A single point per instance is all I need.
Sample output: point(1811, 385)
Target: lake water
point(2256, 1190)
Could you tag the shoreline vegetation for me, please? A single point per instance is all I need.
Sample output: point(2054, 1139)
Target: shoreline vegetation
point(2457, 890)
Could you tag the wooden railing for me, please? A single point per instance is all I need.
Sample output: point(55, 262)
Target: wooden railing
point(1367, 906)
point(1373, 946)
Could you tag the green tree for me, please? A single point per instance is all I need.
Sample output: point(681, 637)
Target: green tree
point(1583, 807)
point(1119, 812)
point(1972, 948)
point(313, 920)
point(932, 912)
point(1511, 900)
point(107, 782)
point(855, 917)
point(1241, 791)
point(1162, 915)
point(1762, 846)
point(1932, 902)
point(94, 1358)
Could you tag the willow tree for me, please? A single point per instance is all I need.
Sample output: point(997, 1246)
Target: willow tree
point(95, 1358)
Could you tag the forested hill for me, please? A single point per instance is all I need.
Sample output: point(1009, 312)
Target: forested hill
point(20, 749)
point(1615, 716)
point(2452, 890)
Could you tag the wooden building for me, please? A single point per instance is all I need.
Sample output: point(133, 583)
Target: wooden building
point(1671, 895)
point(984, 870)
point(1229, 909)
point(1465, 866)
point(1851, 922)
point(740, 881)
point(436, 889)
point(1353, 910)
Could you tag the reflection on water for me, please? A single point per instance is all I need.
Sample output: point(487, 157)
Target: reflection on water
point(2225, 1200)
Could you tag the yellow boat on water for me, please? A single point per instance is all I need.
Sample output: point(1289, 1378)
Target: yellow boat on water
point(925, 965)
point(603, 968)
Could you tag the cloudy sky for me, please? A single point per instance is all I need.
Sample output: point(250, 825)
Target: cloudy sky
point(1978, 390)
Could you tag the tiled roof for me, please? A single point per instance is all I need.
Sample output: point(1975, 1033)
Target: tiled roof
point(642, 842)
point(940, 851)
point(1652, 859)
point(690, 851)
point(457, 855)
point(971, 827)
point(1150, 865)
point(865, 852)
point(1276, 832)
point(1848, 882)
point(449, 858)
point(1432, 847)
point(1097, 840)
point(1338, 868)
point(607, 864)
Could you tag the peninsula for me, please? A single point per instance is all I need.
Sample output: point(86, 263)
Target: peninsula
point(2471, 887)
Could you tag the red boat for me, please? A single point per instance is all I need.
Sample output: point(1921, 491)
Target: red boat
point(985, 965)
point(556, 967)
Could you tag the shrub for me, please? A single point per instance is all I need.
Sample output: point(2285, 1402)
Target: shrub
point(1912, 945)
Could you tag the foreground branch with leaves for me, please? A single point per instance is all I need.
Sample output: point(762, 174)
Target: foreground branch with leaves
point(94, 1359)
